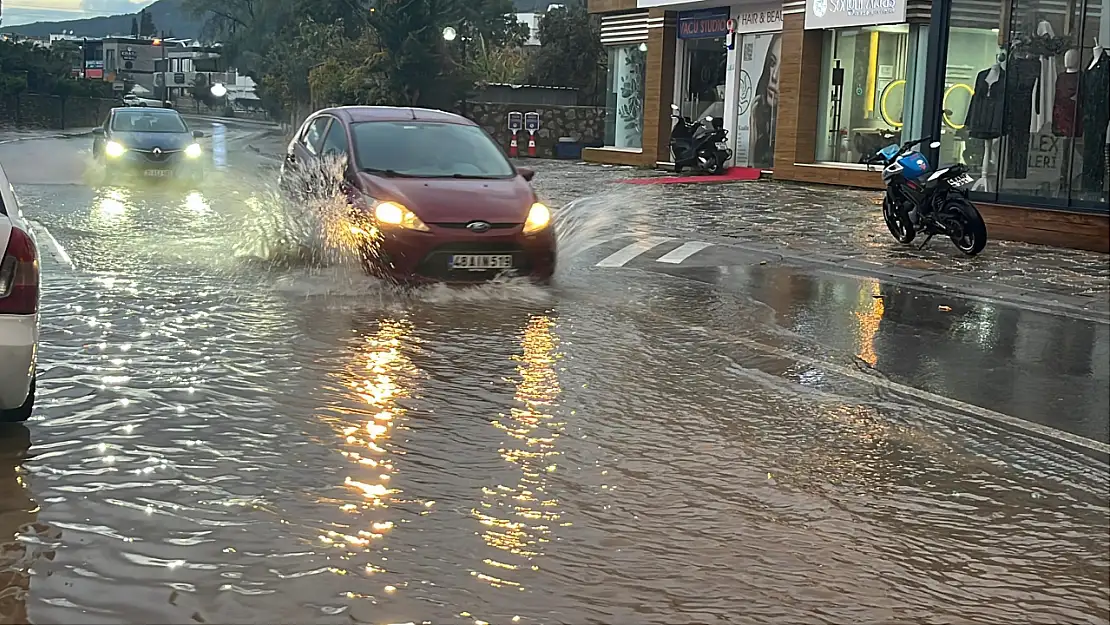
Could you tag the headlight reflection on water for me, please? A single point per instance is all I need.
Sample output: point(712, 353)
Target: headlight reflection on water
point(518, 519)
point(196, 203)
point(111, 205)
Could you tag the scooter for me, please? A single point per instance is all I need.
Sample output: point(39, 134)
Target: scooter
point(701, 145)
point(936, 203)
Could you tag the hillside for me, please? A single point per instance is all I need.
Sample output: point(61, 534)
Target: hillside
point(167, 14)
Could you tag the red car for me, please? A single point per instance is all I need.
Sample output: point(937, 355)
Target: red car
point(433, 197)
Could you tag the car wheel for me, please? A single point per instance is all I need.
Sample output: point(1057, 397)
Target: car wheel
point(21, 414)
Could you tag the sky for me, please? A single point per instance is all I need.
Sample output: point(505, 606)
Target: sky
point(16, 12)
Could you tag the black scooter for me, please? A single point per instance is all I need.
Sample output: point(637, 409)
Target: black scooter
point(700, 145)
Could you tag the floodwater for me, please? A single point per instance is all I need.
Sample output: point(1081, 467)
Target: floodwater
point(245, 437)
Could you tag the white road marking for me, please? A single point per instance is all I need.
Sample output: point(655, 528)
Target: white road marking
point(628, 252)
point(56, 249)
point(602, 241)
point(682, 252)
point(1028, 427)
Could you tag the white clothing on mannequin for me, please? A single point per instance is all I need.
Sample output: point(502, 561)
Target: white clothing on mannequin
point(1045, 89)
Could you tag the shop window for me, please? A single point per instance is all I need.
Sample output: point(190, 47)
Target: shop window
point(757, 113)
point(866, 75)
point(1026, 101)
point(624, 109)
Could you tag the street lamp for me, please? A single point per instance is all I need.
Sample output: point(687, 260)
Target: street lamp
point(449, 34)
point(219, 90)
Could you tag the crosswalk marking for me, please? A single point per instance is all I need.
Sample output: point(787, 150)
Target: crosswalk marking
point(628, 252)
point(682, 252)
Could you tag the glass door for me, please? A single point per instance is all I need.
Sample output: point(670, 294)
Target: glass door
point(703, 78)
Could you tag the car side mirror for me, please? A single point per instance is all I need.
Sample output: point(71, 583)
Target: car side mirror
point(197, 134)
point(98, 131)
point(526, 172)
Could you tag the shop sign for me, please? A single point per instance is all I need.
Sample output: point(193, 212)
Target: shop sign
point(705, 24)
point(821, 14)
point(759, 18)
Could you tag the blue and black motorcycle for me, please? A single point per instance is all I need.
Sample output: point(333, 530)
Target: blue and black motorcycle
point(917, 201)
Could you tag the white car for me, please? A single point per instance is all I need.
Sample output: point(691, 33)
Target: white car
point(19, 308)
point(133, 100)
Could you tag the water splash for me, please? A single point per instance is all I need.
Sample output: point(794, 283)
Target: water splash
point(585, 222)
point(303, 221)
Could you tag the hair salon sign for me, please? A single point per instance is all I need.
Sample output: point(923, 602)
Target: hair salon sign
point(840, 13)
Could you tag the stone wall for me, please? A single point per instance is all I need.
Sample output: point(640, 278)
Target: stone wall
point(33, 110)
point(584, 124)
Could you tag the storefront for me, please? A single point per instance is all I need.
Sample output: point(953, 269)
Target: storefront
point(1019, 90)
point(708, 57)
point(754, 84)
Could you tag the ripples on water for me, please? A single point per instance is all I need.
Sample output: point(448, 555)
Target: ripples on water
point(223, 444)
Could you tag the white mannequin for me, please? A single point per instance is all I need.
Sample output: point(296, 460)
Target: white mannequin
point(1071, 61)
point(993, 146)
point(1098, 52)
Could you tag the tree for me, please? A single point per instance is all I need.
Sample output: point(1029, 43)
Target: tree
point(134, 27)
point(306, 52)
point(146, 24)
point(570, 53)
point(507, 64)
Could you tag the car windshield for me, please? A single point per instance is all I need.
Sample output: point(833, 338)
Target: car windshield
point(428, 150)
point(145, 121)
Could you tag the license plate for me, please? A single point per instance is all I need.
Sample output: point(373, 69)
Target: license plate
point(157, 173)
point(481, 262)
point(961, 180)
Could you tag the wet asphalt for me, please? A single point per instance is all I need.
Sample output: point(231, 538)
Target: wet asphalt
point(229, 433)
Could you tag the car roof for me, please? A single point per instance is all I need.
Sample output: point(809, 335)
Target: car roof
point(146, 109)
point(355, 114)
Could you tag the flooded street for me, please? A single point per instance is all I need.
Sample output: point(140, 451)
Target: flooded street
point(228, 434)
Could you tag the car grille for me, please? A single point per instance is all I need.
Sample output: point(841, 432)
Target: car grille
point(437, 264)
point(164, 157)
point(462, 226)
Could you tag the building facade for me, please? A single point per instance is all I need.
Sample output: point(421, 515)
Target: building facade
point(1015, 89)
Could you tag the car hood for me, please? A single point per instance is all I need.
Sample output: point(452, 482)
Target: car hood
point(151, 140)
point(448, 200)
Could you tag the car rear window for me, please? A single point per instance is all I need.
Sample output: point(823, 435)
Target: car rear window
point(428, 150)
point(146, 121)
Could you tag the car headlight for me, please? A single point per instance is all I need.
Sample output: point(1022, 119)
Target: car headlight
point(114, 149)
point(393, 214)
point(539, 217)
point(193, 151)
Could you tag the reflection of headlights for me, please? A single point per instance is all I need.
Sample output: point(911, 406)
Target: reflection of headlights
point(397, 215)
point(538, 218)
point(114, 149)
point(193, 151)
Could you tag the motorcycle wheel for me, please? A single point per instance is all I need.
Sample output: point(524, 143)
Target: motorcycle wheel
point(714, 166)
point(965, 226)
point(898, 222)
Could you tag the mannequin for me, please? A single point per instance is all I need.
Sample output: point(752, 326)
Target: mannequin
point(1021, 81)
point(1066, 113)
point(1094, 90)
point(985, 115)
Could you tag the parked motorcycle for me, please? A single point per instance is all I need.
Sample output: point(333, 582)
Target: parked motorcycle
point(701, 145)
point(936, 203)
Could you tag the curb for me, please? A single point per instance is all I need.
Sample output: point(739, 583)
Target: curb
point(234, 120)
point(937, 282)
point(61, 135)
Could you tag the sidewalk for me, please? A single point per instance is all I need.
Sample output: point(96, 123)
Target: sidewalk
point(839, 227)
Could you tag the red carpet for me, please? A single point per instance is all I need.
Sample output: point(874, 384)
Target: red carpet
point(733, 174)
